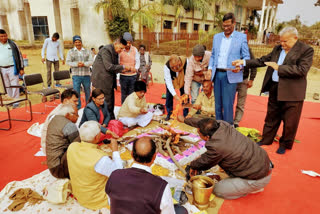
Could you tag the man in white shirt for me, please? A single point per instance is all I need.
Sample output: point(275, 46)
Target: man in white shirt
point(52, 45)
point(11, 64)
point(144, 192)
point(89, 167)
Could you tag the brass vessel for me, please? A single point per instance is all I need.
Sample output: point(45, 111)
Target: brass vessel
point(202, 187)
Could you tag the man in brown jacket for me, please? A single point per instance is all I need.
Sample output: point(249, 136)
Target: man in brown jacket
point(286, 81)
point(247, 164)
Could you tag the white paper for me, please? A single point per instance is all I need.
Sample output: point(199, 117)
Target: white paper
point(311, 173)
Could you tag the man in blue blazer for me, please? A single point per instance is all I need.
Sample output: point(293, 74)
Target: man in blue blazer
point(227, 46)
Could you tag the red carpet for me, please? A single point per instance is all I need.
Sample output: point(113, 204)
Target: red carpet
point(290, 191)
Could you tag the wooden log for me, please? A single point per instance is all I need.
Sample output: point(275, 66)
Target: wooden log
point(172, 157)
point(177, 149)
point(160, 149)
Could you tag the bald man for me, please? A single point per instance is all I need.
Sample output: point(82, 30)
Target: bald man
point(154, 195)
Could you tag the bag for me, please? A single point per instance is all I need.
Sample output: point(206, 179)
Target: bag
point(58, 191)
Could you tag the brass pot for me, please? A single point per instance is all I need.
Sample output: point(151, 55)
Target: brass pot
point(202, 188)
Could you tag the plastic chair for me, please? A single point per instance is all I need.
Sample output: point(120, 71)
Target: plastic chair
point(35, 79)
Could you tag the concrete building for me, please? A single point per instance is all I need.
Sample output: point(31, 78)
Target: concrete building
point(37, 19)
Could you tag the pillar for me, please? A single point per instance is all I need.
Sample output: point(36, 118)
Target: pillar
point(274, 17)
point(30, 33)
point(271, 17)
point(267, 16)
point(75, 21)
point(57, 20)
point(262, 15)
point(22, 20)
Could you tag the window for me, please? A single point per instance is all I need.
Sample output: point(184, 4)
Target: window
point(217, 9)
point(183, 26)
point(195, 27)
point(167, 24)
point(206, 27)
point(40, 27)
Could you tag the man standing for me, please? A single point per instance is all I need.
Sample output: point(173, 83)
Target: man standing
point(62, 131)
point(242, 89)
point(174, 73)
point(85, 156)
point(227, 47)
point(131, 58)
point(80, 60)
point(247, 164)
point(286, 81)
point(204, 105)
point(196, 70)
point(145, 64)
point(144, 192)
point(11, 64)
point(53, 46)
point(105, 69)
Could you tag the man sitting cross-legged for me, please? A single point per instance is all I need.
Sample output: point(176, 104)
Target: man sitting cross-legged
point(89, 167)
point(135, 190)
point(67, 96)
point(204, 104)
point(134, 109)
point(62, 131)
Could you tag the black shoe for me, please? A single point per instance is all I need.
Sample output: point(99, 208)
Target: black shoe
point(281, 150)
point(235, 125)
point(261, 144)
point(106, 141)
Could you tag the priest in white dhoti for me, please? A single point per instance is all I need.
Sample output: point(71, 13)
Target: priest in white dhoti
point(134, 110)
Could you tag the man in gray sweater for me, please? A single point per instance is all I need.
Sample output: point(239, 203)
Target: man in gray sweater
point(247, 164)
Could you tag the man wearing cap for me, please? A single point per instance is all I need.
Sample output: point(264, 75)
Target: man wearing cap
point(52, 45)
point(11, 64)
point(196, 69)
point(129, 57)
point(80, 60)
point(105, 69)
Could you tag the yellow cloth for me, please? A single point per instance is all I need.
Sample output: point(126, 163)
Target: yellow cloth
point(207, 105)
point(132, 105)
point(87, 185)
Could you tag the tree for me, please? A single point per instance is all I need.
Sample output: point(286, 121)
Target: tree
point(124, 9)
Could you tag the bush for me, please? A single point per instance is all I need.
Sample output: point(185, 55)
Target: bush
point(117, 26)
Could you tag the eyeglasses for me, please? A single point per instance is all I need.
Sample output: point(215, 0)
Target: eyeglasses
point(226, 26)
point(102, 98)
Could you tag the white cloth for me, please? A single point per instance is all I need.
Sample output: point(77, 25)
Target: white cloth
point(166, 205)
point(52, 50)
point(10, 80)
point(6, 58)
point(142, 120)
point(105, 166)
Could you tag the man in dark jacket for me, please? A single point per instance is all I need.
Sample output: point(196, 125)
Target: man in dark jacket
point(11, 64)
point(286, 81)
point(105, 69)
point(247, 164)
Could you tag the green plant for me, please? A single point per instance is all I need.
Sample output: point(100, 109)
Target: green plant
point(117, 26)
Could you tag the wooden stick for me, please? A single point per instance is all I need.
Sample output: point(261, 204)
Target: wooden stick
point(172, 156)
point(177, 149)
point(160, 150)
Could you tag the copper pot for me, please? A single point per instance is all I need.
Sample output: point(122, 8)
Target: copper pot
point(202, 188)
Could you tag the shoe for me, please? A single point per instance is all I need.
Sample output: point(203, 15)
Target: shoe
point(316, 96)
point(257, 191)
point(106, 141)
point(281, 150)
point(262, 144)
point(235, 125)
point(15, 105)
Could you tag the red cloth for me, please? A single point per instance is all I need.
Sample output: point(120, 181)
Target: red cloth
point(116, 127)
point(101, 116)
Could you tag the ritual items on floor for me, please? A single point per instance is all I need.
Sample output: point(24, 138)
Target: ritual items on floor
point(23, 195)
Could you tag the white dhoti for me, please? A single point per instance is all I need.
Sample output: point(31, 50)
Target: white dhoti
point(142, 120)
